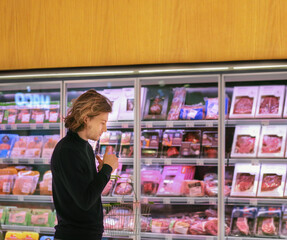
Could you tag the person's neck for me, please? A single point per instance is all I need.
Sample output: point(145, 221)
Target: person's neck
point(82, 134)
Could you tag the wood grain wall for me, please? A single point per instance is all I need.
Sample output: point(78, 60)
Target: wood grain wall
point(72, 33)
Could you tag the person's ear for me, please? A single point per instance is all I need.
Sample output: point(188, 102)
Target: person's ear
point(85, 119)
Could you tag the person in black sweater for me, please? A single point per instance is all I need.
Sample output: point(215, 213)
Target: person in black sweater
point(77, 183)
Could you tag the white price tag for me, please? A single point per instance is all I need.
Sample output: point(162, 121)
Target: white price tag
point(46, 126)
point(14, 127)
point(36, 229)
point(148, 125)
point(212, 201)
point(148, 161)
point(20, 198)
point(199, 162)
point(255, 161)
point(265, 122)
point(209, 124)
point(16, 161)
point(189, 124)
point(190, 201)
point(145, 200)
point(3, 126)
point(168, 237)
point(33, 126)
point(169, 124)
point(167, 162)
point(253, 202)
point(31, 161)
point(166, 200)
point(125, 125)
point(120, 200)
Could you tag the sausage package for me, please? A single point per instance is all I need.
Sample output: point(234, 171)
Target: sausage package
point(26, 182)
point(18, 216)
point(272, 180)
point(270, 101)
point(34, 147)
point(50, 143)
point(268, 222)
point(272, 141)
point(150, 180)
point(41, 218)
point(20, 147)
point(6, 144)
point(46, 184)
point(245, 141)
point(244, 101)
point(243, 221)
point(171, 143)
point(7, 178)
point(177, 102)
point(245, 180)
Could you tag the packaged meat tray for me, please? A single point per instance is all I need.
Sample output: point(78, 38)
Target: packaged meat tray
point(211, 227)
point(284, 223)
point(110, 141)
point(20, 147)
point(118, 218)
point(244, 101)
point(53, 113)
point(11, 235)
point(177, 102)
point(109, 187)
point(26, 182)
point(172, 179)
point(160, 225)
point(150, 180)
point(41, 218)
point(180, 226)
point(24, 115)
point(211, 106)
point(171, 143)
point(10, 114)
point(268, 222)
point(209, 144)
point(150, 143)
point(50, 143)
point(115, 96)
point(245, 141)
point(245, 180)
point(272, 141)
point(243, 221)
point(124, 185)
point(46, 184)
point(6, 144)
point(156, 104)
point(39, 115)
point(193, 188)
point(190, 146)
point(211, 185)
point(34, 147)
point(7, 178)
point(30, 236)
point(272, 180)
point(18, 216)
point(270, 101)
point(127, 142)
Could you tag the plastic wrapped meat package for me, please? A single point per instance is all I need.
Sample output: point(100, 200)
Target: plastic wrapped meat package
point(7, 178)
point(118, 218)
point(244, 102)
point(211, 185)
point(10, 114)
point(53, 112)
point(180, 226)
point(160, 225)
point(272, 141)
point(115, 96)
point(245, 141)
point(173, 178)
point(50, 143)
point(124, 185)
point(18, 216)
point(284, 223)
point(209, 144)
point(211, 106)
point(190, 146)
point(46, 184)
point(6, 144)
point(39, 116)
point(272, 180)
point(26, 182)
point(268, 222)
point(270, 101)
point(34, 147)
point(150, 143)
point(127, 145)
point(41, 218)
point(177, 102)
point(110, 141)
point(150, 180)
point(245, 180)
point(24, 115)
point(171, 143)
point(243, 221)
point(20, 147)
point(193, 188)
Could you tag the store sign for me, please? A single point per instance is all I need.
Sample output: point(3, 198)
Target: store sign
point(32, 100)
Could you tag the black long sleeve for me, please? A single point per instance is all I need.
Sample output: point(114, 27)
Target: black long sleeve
point(77, 188)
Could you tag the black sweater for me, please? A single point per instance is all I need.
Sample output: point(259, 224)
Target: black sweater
point(77, 188)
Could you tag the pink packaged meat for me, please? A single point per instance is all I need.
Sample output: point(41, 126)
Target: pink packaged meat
point(190, 146)
point(209, 144)
point(150, 180)
point(50, 143)
point(270, 101)
point(211, 227)
point(34, 147)
point(211, 185)
point(171, 143)
point(160, 225)
point(193, 188)
point(244, 102)
point(245, 180)
point(272, 141)
point(20, 147)
point(124, 185)
point(177, 102)
point(245, 141)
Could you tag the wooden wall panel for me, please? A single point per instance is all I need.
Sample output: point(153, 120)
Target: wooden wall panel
point(73, 33)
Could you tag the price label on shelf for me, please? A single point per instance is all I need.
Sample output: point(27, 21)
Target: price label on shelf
point(209, 124)
point(46, 126)
point(255, 162)
point(20, 198)
point(199, 162)
point(168, 237)
point(36, 229)
point(31, 161)
point(148, 125)
point(33, 126)
point(148, 161)
point(265, 122)
point(14, 127)
point(120, 200)
point(253, 202)
point(167, 162)
point(189, 124)
point(190, 201)
point(212, 201)
point(3, 126)
point(15, 161)
point(169, 124)
point(145, 200)
point(125, 125)
point(166, 200)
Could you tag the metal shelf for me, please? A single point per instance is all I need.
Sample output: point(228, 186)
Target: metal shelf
point(256, 161)
point(118, 124)
point(256, 201)
point(179, 123)
point(176, 236)
point(119, 199)
point(180, 200)
point(267, 121)
point(30, 126)
point(41, 230)
point(169, 161)
point(35, 161)
point(26, 198)
point(118, 233)
point(249, 238)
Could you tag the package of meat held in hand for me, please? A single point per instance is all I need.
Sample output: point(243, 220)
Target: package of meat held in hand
point(50, 143)
point(243, 221)
point(127, 145)
point(245, 180)
point(172, 179)
point(272, 180)
point(7, 178)
point(272, 141)
point(18, 216)
point(171, 143)
point(41, 218)
point(245, 141)
point(190, 146)
point(150, 180)
point(26, 182)
point(211, 106)
point(150, 143)
point(110, 141)
point(6, 144)
point(209, 144)
point(124, 185)
point(270, 101)
point(268, 222)
point(34, 147)
point(177, 102)
point(244, 102)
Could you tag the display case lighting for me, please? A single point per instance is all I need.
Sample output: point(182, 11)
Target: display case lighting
point(183, 70)
point(256, 67)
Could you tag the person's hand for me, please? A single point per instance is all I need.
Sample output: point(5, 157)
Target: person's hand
point(100, 161)
point(111, 159)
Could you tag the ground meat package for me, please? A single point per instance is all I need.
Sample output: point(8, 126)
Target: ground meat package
point(7, 178)
point(272, 141)
point(18, 216)
point(172, 179)
point(34, 147)
point(41, 218)
point(6, 144)
point(150, 180)
point(268, 222)
point(243, 221)
point(245, 141)
point(177, 102)
point(272, 180)
point(245, 180)
point(270, 101)
point(26, 182)
point(244, 102)
point(171, 143)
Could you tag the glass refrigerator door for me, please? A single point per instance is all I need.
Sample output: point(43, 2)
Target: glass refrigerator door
point(30, 129)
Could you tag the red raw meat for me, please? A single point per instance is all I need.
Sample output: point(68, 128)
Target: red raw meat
point(242, 225)
point(211, 189)
point(243, 105)
point(198, 228)
point(270, 182)
point(271, 144)
point(244, 181)
point(245, 144)
point(211, 227)
point(268, 226)
point(269, 104)
point(210, 213)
